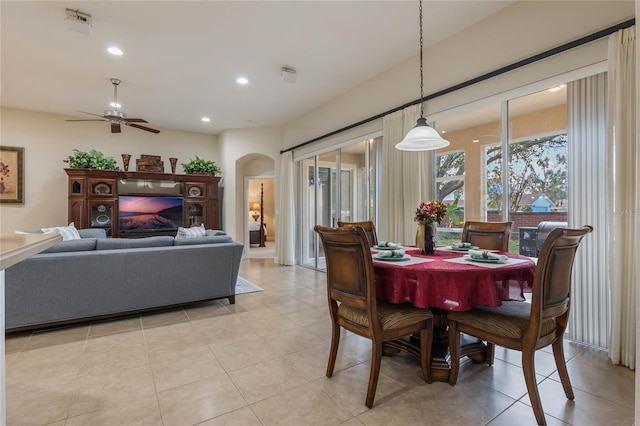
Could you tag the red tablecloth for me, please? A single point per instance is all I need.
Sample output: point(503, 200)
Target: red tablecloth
point(452, 286)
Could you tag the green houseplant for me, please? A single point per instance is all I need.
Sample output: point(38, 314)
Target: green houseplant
point(200, 165)
point(91, 160)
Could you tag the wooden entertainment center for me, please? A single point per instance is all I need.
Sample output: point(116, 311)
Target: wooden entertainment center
point(94, 197)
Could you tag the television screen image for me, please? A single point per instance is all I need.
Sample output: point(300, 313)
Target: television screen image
point(148, 214)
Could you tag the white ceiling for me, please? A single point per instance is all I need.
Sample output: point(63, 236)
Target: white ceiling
point(181, 58)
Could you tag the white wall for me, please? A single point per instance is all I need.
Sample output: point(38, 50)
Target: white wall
point(48, 139)
point(238, 147)
point(517, 32)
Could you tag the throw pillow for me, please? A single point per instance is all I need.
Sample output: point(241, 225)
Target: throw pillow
point(193, 232)
point(68, 232)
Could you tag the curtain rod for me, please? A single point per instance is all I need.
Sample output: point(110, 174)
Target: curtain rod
point(567, 46)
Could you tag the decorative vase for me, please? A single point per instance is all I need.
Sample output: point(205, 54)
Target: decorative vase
point(125, 161)
point(173, 161)
point(425, 239)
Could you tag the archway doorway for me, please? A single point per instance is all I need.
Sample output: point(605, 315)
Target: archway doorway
point(261, 224)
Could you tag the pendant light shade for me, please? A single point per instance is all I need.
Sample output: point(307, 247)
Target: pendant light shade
point(422, 137)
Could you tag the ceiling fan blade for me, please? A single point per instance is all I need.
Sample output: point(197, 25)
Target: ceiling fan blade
point(89, 119)
point(90, 113)
point(135, 120)
point(148, 129)
point(115, 128)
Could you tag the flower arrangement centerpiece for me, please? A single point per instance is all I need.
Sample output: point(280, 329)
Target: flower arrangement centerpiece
point(426, 215)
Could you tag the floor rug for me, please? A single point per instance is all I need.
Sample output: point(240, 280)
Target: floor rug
point(244, 286)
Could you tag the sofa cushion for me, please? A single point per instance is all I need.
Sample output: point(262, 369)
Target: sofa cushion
point(214, 232)
point(92, 233)
point(209, 239)
point(126, 243)
point(83, 244)
point(193, 232)
point(68, 232)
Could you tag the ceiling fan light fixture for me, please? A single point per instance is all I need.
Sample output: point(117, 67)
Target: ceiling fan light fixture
point(422, 138)
point(115, 105)
point(115, 117)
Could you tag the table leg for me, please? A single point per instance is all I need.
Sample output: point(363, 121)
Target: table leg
point(471, 347)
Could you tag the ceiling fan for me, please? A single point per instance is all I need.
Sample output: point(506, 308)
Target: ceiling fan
point(117, 117)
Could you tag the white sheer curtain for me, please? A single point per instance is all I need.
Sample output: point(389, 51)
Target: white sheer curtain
point(624, 195)
point(286, 218)
point(587, 153)
point(407, 179)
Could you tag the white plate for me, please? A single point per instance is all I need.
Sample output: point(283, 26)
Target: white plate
point(393, 259)
point(387, 248)
point(103, 219)
point(485, 260)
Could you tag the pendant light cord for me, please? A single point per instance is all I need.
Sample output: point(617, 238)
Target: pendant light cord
point(421, 78)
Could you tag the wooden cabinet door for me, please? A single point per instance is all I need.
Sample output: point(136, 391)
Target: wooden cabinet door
point(195, 213)
point(77, 212)
point(104, 214)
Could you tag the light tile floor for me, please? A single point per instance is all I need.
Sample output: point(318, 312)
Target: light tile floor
point(262, 362)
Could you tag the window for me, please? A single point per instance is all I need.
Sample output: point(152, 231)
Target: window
point(450, 191)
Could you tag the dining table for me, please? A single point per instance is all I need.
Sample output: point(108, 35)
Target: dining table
point(450, 280)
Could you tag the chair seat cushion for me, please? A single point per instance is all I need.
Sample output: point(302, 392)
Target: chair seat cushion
point(391, 316)
point(509, 320)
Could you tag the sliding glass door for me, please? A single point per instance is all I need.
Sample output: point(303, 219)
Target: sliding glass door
point(338, 185)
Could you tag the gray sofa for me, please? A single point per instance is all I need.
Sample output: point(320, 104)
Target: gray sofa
point(101, 277)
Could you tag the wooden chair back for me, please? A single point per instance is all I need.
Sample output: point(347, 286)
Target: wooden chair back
point(552, 283)
point(515, 325)
point(487, 235)
point(350, 274)
point(368, 227)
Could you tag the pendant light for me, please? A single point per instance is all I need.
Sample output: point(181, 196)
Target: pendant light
point(422, 137)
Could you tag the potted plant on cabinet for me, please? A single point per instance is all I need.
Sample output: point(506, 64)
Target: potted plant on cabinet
point(201, 166)
point(91, 160)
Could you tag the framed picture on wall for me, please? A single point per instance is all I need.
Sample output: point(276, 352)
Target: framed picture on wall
point(11, 175)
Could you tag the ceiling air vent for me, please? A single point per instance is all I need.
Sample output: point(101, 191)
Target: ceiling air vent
point(78, 21)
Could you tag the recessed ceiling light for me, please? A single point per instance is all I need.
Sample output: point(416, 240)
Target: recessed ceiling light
point(115, 105)
point(205, 119)
point(475, 140)
point(115, 51)
point(443, 132)
point(242, 80)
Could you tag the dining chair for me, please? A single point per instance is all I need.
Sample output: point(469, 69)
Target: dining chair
point(353, 305)
point(369, 230)
point(487, 235)
point(527, 327)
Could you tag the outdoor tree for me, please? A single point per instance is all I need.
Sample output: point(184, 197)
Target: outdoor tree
point(535, 166)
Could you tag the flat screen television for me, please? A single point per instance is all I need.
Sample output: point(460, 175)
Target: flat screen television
point(138, 214)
